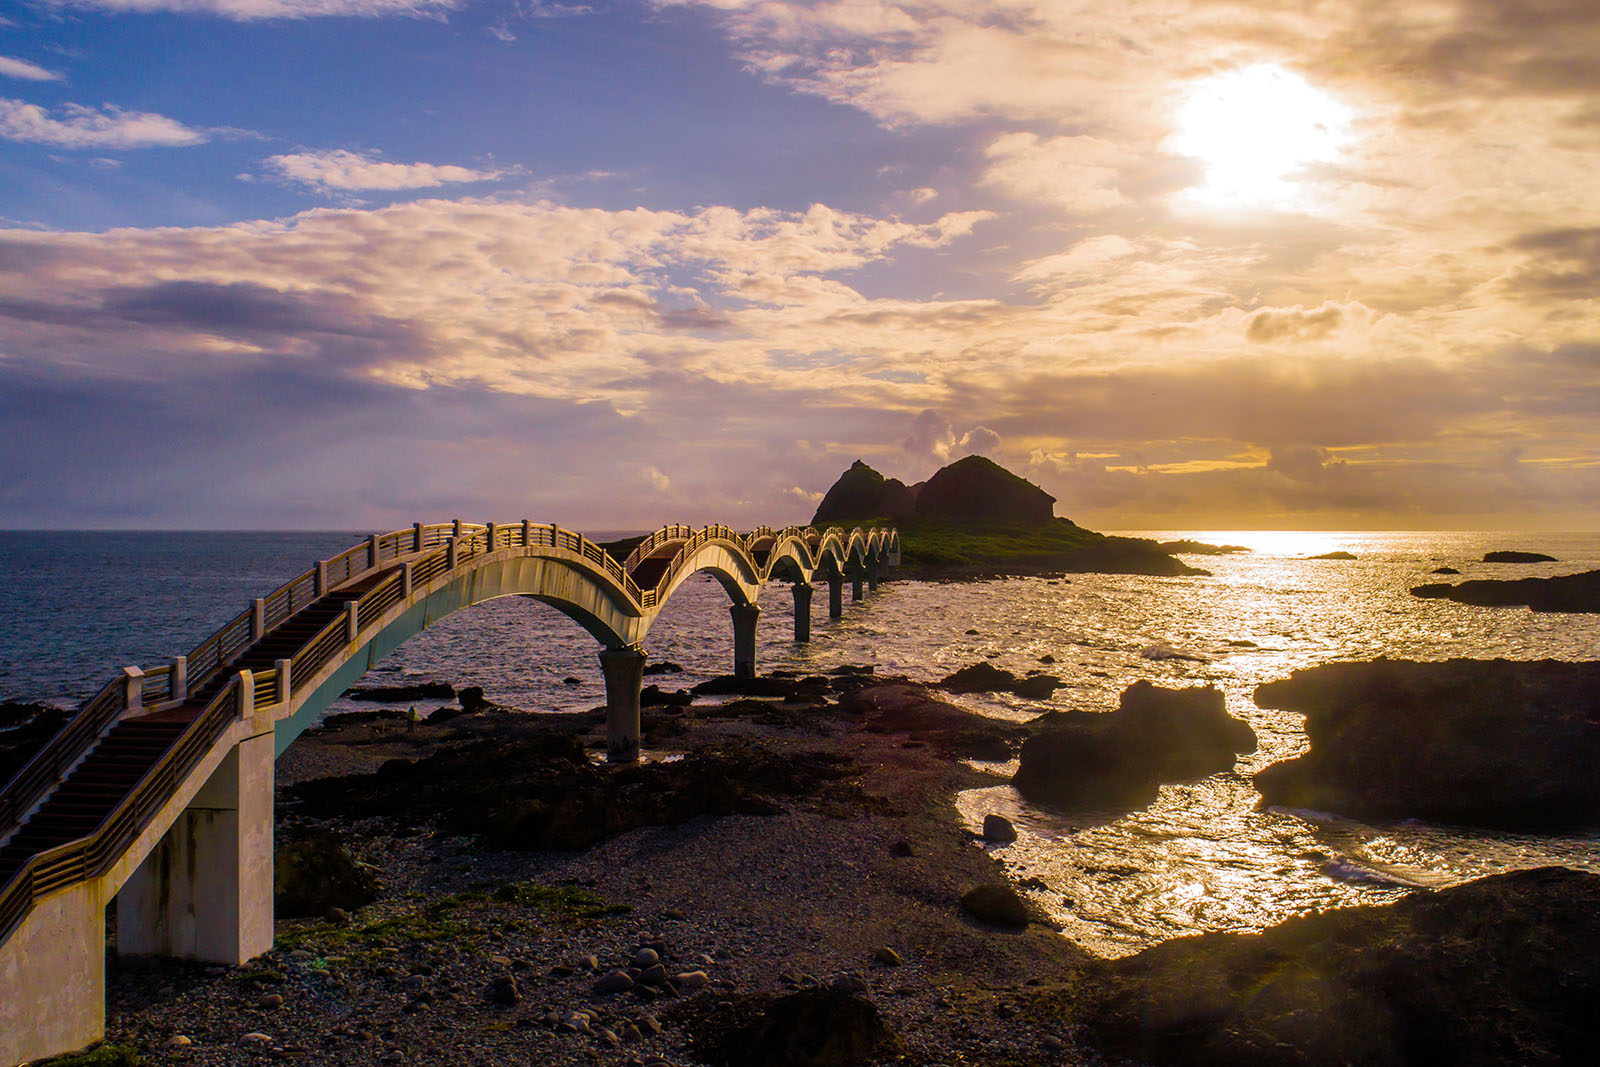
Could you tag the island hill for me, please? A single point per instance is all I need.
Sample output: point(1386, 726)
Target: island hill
point(974, 517)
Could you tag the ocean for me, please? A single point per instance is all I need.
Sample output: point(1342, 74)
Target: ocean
point(76, 607)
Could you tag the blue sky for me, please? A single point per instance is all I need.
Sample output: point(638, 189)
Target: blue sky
point(1215, 263)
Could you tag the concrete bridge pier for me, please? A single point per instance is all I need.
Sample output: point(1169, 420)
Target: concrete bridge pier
point(802, 611)
point(205, 891)
point(53, 976)
point(874, 574)
point(857, 573)
point(623, 669)
point(744, 638)
point(835, 596)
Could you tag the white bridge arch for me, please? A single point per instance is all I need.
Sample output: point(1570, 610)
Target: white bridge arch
point(186, 847)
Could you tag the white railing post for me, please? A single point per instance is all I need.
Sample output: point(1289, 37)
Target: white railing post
point(405, 579)
point(284, 666)
point(352, 620)
point(450, 553)
point(322, 578)
point(258, 618)
point(247, 694)
point(180, 678)
point(416, 537)
point(132, 690)
point(372, 551)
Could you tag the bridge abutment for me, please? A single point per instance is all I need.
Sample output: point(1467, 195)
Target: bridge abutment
point(744, 639)
point(802, 611)
point(623, 669)
point(53, 976)
point(205, 891)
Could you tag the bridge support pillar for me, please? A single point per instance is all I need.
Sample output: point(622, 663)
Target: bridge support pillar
point(205, 891)
point(53, 972)
point(874, 575)
point(802, 611)
point(623, 669)
point(744, 639)
point(835, 596)
point(856, 576)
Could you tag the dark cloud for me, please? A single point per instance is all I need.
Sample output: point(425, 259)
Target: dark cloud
point(1295, 324)
point(1562, 264)
point(1302, 463)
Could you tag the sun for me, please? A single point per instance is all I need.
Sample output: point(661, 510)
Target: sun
point(1255, 129)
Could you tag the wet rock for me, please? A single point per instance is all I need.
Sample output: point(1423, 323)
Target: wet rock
point(997, 904)
point(400, 694)
point(1444, 570)
point(665, 666)
point(1334, 555)
point(1117, 761)
point(316, 873)
point(998, 828)
point(814, 1027)
point(987, 678)
point(652, 696)
point(1498, 743)
point(904, 707)
point(1501, 970)
point(1568, 592)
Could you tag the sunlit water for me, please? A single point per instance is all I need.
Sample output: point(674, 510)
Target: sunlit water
point(1201, 858)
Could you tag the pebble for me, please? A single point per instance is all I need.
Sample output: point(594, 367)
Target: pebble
point(300, 955)
point(337, 917)
point(888, 957)
point(608, 1037)
point(505, 990)
point(849, 983)
point(655, 975)
point(178, 1041)
point(255, 1039)
point(272, 1002)
point(1054, 1044)
point(691, 980)
point(613, 982)
point(646, 957)
point(590, 963)
point(650, 1024)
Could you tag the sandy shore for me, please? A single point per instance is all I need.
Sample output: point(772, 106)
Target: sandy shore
point(443, 970)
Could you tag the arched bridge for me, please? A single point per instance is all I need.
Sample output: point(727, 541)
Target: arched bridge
point(159, 791)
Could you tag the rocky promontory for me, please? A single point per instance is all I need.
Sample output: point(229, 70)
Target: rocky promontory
point(1568, 592)
point(1496, 743)
point(1501, 970)
point(1117, 760)
point(974, 518)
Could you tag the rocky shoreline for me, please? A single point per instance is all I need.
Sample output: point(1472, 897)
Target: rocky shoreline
point(787, 882)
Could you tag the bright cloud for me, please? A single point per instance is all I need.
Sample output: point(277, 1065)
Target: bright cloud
point(86, 127)
point(11, 67)
point(353, 171)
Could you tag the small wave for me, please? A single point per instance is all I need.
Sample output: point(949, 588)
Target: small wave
point(1344, 869)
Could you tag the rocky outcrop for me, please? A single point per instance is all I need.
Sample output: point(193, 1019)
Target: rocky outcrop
point(1568, 592)
point(402, 693)
point(904, 707)
point(862, 493)
point(1482, 742)
point(25, 729)
point(1501, 970)
point(1507, 556)
point(984, 677)
point(818, 1027)
point(1334, 555)
point(1118, 760)
point(976, 489)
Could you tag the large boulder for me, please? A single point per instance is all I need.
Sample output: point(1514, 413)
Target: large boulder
point(818, 1027)
point(317, 873)
point(1118, 760)
point(1497, 743)
point(976, 489)
point(862, 493)
point(1501, 970)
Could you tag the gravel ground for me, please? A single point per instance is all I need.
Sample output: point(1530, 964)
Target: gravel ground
point(442, 970)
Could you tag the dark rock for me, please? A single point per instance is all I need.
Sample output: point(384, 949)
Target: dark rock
point(665, 666)
point(1199, 548)
point(862, 493)
point(1501, 970)
point(998, 828)
point(904, 707)
point(1038, 687)
point(30, 728)
point(986, 678)
point(504, 991)
point(1444, 570)
point(814, 1027)
point(997, 904)
point(976, 488)
point(471, 698)
point(1334, 555)
point(1047, 659)
point(572, 681)
point(762, 686)
point(902, 849)
point(652, 696)
point(1517, 557)
point(395, 694)
point(1511, 745)
point(317, 873)
point(1568, 592)
point(1118, 760)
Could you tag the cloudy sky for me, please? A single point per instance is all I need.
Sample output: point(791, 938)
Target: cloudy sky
point(1184, 263)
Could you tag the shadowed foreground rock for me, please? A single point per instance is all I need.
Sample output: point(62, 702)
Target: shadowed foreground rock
point(1502, 970)
point(317, 873)
point(1119, 759)
point(811, 1028)
point(1567, 592)
point(1512, 745)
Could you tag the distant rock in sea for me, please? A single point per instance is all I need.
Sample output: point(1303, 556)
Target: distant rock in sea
point(1333, 555)
point(1498, 743)
point(1199, 548)
point(1444, 570)
point(1517, 557)
point(1579, 593)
